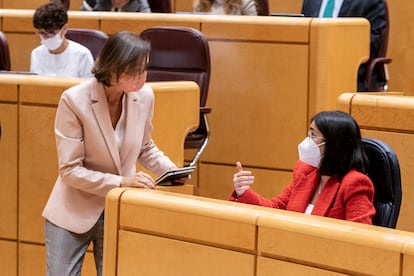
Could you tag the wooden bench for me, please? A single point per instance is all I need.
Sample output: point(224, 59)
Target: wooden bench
point(28, 152)
point(159, 233)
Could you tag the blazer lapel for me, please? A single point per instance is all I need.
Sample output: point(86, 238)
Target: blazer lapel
point(101, 112)
point(326, 198)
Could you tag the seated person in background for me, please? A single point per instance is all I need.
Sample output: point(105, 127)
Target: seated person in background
point(116, 5)
point(373, 10)
point(58, 56)
point(329, 178)
point(231, 7)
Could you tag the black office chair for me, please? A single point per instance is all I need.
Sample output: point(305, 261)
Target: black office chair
point(384, 171)
point(90, 38)
point(182, 54)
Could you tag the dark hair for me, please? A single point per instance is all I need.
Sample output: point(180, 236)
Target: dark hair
point(343, 149)
point(50, 17)
point(123, 52)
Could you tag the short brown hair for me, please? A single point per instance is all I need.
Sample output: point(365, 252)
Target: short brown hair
point(50, 17)
point(123, 52)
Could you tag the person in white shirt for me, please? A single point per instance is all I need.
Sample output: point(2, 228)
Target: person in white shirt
point(57, 55)
point(231, 7)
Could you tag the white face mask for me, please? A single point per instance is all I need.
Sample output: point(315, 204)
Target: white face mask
point(53, 43)
point(309, 152)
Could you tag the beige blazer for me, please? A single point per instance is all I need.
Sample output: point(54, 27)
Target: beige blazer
point(90, 162)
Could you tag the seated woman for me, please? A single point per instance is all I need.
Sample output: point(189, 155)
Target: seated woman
point(329, 177)
point(232, 7)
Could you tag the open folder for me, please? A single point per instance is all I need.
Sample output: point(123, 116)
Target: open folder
point(168, 177)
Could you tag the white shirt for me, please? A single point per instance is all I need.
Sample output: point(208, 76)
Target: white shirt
point(76, 61)
point(337, 7)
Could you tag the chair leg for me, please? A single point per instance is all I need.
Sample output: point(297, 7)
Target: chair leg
point(201, 149)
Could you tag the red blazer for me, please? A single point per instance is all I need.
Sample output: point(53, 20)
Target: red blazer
point(351, 199)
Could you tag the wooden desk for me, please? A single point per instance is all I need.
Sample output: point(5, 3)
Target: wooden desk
point(27, 150)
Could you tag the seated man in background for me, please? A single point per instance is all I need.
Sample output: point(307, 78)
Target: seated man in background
point(373, 10)
point(232, 7)
point(116, 5)
point(58, 56)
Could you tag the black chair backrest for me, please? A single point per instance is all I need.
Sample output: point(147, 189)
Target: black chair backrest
point(384, 171)
point(90, 38)
point(4, 53)
point(160, 6)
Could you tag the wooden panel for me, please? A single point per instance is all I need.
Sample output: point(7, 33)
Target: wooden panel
point(408, 259)
point(267, 266)
point(282, 6)
point(8, 258)
point(273, 29)
point(242, 110)
point(185, 218)
point(32, 261)
point(8, 170)
point(390, 119)
point(137, 22)
point(180, 117)
point(149, 255)
point(38, 168)
point(217, 181)
point(8, 91)
point(327, 80)
point(44, 90)
point(330, 244)
point(20, 46)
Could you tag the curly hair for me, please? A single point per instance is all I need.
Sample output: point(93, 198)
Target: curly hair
point(50, 17)
point(228, 5)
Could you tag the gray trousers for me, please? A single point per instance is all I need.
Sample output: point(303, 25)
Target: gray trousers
point(66, 250)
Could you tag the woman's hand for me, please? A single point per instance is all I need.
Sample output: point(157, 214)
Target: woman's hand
point(139, 180)
point(242, 180)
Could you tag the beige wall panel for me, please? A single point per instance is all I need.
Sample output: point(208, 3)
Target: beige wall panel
point(157, 213)
point(403, 145)
point(257, 121)
point(141, 254)
point(216, 181)
point(137, 22)
point(17, 20)
point(38, 168)
point(8, 170)
point(268, 266)
point(32, 261)
point(342, 249)
point(8, 258)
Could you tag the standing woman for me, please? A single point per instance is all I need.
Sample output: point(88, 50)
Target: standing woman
point(102, 128)
point(231, 7)
point(328, 180)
